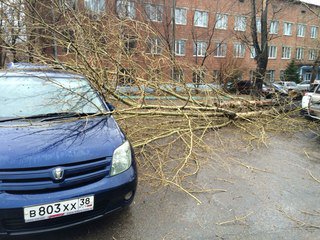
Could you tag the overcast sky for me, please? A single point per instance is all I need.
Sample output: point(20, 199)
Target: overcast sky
point(315, 2)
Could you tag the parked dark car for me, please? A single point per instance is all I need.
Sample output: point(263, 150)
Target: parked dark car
point(63, 158)
point(242, 86)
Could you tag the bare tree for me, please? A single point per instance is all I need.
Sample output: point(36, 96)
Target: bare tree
point(12, 28)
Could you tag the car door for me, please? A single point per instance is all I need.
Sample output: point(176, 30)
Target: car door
point(314, 105)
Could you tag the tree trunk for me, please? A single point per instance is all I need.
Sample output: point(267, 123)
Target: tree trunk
point(315, 69)
point(261, 48)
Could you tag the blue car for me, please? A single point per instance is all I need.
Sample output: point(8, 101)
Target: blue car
point(63, 158)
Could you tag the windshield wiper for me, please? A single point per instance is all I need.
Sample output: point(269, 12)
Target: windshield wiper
point(52, 116)
point(71, 115)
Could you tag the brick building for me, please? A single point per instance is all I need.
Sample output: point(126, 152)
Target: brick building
point(212, 37)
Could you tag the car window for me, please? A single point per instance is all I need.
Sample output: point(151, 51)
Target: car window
point(291, 84)
point(313, 87)
point(305, 82)
point(31, 95)
point(317, 89)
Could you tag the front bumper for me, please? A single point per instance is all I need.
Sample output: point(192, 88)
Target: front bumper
point(109, 196)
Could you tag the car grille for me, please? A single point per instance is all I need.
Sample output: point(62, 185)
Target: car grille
point(41, 180)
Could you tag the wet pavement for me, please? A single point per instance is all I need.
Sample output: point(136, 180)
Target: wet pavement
point(271, 192)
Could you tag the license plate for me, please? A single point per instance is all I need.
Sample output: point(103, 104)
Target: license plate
point(58, 209)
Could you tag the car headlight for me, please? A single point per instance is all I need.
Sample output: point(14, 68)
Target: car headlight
point(121, 159)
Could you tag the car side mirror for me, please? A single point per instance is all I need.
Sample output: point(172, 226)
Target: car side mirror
point(111, 107)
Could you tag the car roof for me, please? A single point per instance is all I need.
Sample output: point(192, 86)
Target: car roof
point(23, 69)
point(39, 73)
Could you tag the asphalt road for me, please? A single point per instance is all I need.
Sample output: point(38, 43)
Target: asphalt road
point(270, 193)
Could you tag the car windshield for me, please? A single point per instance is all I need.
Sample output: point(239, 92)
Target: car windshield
point(25, 96)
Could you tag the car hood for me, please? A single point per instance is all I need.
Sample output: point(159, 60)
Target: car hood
point(56, 143)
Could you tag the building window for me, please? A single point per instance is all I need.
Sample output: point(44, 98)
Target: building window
point(177, 74)
point(69, 4)
point(287, 29)
point(154, 46)
point(240, 23)
point(69, 36)
point(180, 47)
point(154, 74)
point(272, 52)
point(274, 27)
point(299, 53)
point(217, 76)
point(252, 52)
point(286, 52)
point(154, 12)
point(282, 75)
point(221, 21)
point(125, 77)
point(314, 32)
point(238, 50)
point(258, 24)
point(181, 16)
point(198, 76)
point(200, 19)
point(96, 6)
point(130, 43)
point(221, 50)
point(308, 76)
point(200, 48)
point(270, 75)
point(301, 30)
point(126, 8)
point(312, 54)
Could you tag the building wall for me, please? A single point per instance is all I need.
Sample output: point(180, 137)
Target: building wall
point(279, 10)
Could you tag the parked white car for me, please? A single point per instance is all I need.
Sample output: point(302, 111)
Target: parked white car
point(310, 104)
point(313, 108)
point(289, 86)
point(304, 85)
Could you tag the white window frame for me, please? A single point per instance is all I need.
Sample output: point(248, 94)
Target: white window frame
point(154, 12)
point(287, 28)
point(301, 30)
point(154, 45)
point(177, 74)
point(286, 52)
point(181, 16)
point(221, 21)
point(180, 47)
point(97, 6)
point(312, 54)
point(239, 50)
point(258, 25)
point(240, 23)
point(126, 9)
point(271, 73)
point(201, 18)
point(252, 52)
point(200, 48)
point(314, 32)
point(299, 53)
point(220, 50)
point(69, 4)
point(274, 27)
point(272, 52)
